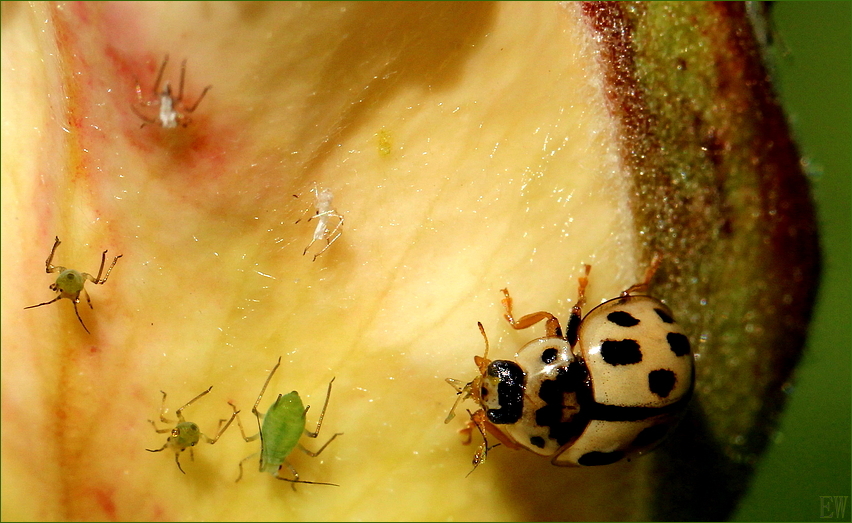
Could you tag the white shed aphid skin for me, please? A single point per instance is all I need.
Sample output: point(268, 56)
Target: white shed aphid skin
point(172, 110)
point(324, 214)
point(70, 283)
point(186, 434)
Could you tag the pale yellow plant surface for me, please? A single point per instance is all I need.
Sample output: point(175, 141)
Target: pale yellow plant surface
point(468, 148)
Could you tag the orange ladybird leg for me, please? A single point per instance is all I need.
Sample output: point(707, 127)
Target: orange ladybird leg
point(552, 327)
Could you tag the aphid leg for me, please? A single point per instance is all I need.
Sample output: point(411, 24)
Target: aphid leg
point(47, 266)
point(45, 303)
point(78, 312)
point(240, 425)
point(221, 428)
point(552, 327)
point(243, 461)
point(296, 476)
point(179, 412)
point(163, 419)
point(98, 280)
point(160, 75)
point(145, 119)
point(265, 384)
point(315, 433)
point(191, 109)
point(177, 460)
point(180, 85)
point(642, 287)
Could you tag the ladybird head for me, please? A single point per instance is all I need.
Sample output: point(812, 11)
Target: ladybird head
point(501, 392)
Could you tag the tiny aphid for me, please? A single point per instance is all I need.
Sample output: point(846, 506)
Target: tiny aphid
point(185, 434)
point(172, 109)
point(69, 284)
point(283, 425)
point(324, 214)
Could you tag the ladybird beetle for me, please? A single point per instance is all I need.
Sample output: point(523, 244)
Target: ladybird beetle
point(612, 387)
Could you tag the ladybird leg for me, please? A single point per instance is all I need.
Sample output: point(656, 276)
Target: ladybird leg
point(641, 288)
point(552, 327)
point(502, 438)
point(467, 432)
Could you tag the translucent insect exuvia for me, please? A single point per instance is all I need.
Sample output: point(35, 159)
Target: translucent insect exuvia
point(283, 425)
point(324, 214)
point(186, 434)
point(69, 284)
point(172, 109)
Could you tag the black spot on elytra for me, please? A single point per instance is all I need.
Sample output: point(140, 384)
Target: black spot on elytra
point(678, 343)
point(661, 382)
point(537, 441)
point(664, 316)
point(549, 355)
point(622, 319)
point(565, 422)
point(591, 459)
point(510, 391)
point(650, 436)
point(621, 352)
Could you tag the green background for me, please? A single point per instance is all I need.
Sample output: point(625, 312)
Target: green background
point(810, 457)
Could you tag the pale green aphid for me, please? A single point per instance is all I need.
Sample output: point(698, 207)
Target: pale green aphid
point(69, 284)
point(186, 434)
point(283, 425)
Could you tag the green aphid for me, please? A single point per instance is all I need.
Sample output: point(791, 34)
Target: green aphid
point(186, 434)
point(69, 284)
point(283, 425)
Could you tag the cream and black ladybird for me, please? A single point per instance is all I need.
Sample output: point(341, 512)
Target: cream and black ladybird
point(613, 386)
